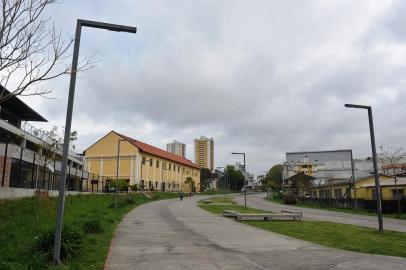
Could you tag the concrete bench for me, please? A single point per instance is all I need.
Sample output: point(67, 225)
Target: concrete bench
point(286, 211)
point(262, 216)
point(267, 217)
point(230, 213)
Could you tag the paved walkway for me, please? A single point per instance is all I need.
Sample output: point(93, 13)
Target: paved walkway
point(178, 235)
point(258, 201)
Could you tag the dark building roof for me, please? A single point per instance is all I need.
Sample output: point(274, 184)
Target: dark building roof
point(19, 108)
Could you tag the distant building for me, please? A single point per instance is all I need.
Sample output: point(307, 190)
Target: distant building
point(327, 164)
point(332, 171)
point(176, 148)
point(204, 152)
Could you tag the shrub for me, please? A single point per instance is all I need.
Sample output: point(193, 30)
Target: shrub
point(134, 187)
point(93, 226)
point(122, 185)
point(71, 243)
point(288, 198)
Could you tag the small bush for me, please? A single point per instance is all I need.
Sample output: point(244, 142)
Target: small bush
point(288, 198)
point(71, 243)
point(122, 185)
point(134, 187)
point(93, 226)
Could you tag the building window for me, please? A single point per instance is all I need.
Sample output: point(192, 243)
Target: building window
point(143, 160)
point(337, 193)
point(157, 163)
point(170, 166)
point(150, 162)
point(399, 195)
point(178, 168)
point(174, 167)
point(321, 193)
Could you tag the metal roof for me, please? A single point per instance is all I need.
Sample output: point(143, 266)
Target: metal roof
point(19, 108)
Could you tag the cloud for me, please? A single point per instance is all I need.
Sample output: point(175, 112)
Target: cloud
point(264, 77)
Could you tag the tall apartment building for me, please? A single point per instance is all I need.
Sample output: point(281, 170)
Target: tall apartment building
point(176, 148)
point(204, 152)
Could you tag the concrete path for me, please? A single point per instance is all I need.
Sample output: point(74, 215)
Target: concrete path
point(178, 235)
point(258, 201)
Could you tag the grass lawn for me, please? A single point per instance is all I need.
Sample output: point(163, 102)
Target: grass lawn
point(228, 200)
point(340, 236)
point(329, 234)
point(23, 219)
point(218, 209)
point(344, 210)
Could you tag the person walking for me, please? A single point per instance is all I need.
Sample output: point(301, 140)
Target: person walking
point(181, 195)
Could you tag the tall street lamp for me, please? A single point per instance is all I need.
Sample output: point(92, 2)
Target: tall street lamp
point(61, 197)
point(245, 188)
point(374, 159)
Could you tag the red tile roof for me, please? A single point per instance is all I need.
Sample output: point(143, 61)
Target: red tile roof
point(158, 152)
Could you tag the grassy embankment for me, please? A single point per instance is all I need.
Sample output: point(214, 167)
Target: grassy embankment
point(22, 220)
point(329, 234)
point(337, 209)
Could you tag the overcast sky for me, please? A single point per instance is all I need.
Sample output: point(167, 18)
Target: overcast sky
point(261, 77)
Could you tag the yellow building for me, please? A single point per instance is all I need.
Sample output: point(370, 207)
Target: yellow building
point(364, 188)
point(140, 163)
point(204, 152)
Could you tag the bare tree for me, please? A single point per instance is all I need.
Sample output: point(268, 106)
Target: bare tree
point(31, 49)
point(392, 158)
point(52, 144)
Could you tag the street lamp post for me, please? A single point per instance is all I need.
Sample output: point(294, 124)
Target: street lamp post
point(245, 188)
point(375, 162)
point(75, 57)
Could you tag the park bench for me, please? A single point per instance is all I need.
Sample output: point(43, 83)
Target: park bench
point(230, 213)
point(262, 216)
point(267, 217)
point(292, 212)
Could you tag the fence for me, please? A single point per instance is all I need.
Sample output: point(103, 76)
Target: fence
point(388, 206)
point(34, 176)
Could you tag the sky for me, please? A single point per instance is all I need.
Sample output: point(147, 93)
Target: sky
point(260, 77)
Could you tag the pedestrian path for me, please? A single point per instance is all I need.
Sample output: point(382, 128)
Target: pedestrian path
point(172, 234)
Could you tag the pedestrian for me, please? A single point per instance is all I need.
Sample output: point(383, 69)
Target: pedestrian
point(181, 195)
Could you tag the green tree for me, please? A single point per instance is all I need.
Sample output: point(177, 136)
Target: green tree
point(190, 183)
point(275, 176)
point(205, 178)
point(235, 178)
point(300, 182)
